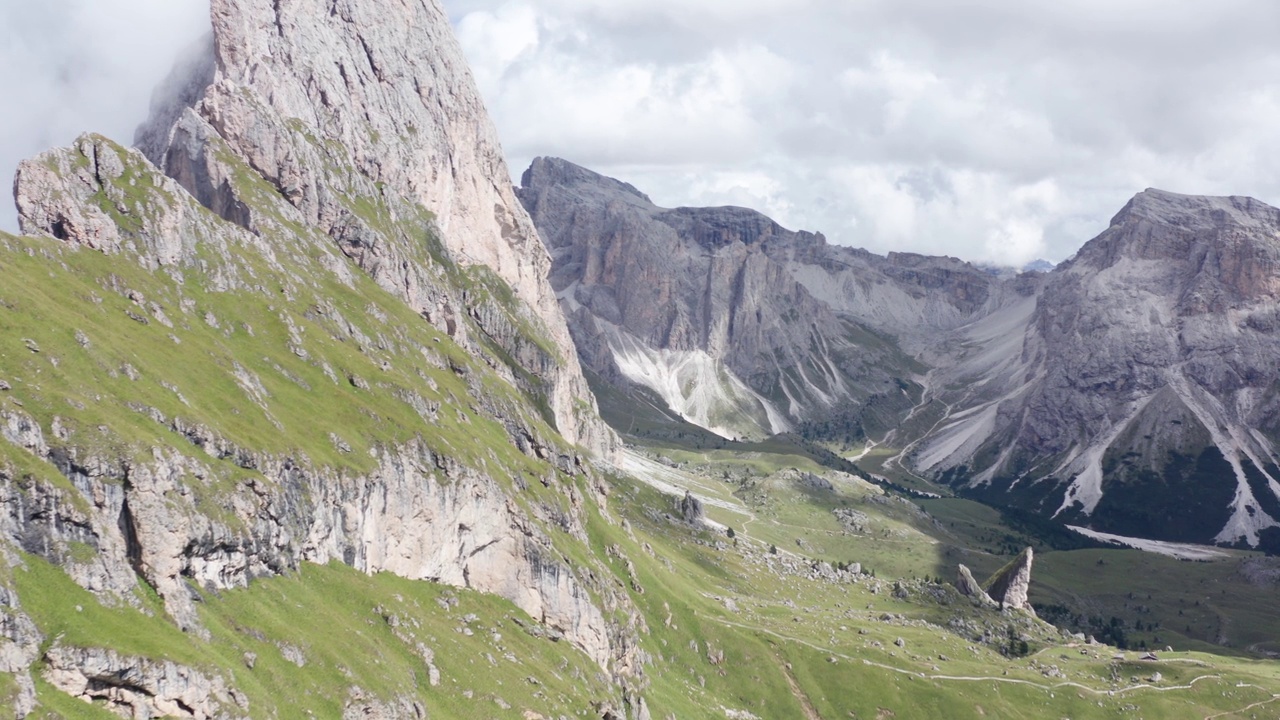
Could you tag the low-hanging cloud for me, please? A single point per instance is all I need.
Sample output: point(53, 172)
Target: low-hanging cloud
point(989, 130)
point(74, 66)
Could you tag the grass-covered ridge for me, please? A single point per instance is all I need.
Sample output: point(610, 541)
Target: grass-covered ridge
point(726, 630)
point(275, 346)
point(247, 352)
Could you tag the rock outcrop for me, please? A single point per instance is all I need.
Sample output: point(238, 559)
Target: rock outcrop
point(1009, 586)
point(969, 587)
point(691, 509)
point(141, 688)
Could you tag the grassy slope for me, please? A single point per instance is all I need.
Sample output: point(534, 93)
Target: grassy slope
point(75, 348)
point(73, 355)
point(790, 646)
point(352, 630)
point(820, 633)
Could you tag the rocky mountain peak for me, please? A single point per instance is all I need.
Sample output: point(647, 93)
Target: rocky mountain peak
point(548, 172)
point(1164, 226)
point(1226, 250)
point(1195, 212)
point(364, 117)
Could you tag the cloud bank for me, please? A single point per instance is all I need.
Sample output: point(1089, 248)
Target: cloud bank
point(989, 130)
point(72, 66)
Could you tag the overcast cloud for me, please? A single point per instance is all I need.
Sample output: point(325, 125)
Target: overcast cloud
point(73, 66)
point(993, 131)
point(996, 131)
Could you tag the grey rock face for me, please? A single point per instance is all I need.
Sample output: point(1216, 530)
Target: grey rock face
point(742, 326)
point(969, 587)
point(1142, 381)
point(360, 114)
point(419, 515)
point(141, 688)
point(20, 642)
point(1009, 586)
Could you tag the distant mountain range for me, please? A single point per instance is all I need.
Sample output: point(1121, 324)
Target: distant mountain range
point(1132, 388)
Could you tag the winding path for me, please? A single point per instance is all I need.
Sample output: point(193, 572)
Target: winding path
point(1045, 687)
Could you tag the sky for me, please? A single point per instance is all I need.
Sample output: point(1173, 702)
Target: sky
point(74, 66)
point(993, 131)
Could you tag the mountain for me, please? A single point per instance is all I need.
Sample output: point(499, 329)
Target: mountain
point(292, 425)
point(303, 323)
point(359, 117)
point(739, 325)
point(1130, 389)
point(1140, 396)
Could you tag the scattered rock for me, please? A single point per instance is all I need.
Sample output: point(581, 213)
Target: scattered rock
point(292, 653)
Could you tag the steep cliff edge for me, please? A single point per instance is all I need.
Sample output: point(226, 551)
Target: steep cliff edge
point(360, 115)
point(319, 332)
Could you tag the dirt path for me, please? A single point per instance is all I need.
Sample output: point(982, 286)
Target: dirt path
point(973, 678)
point(1246, 708)
point(806, 705)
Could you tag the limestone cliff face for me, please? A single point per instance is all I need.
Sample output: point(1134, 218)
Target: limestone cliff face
point(137, 687)
point(309, 145)
point(420, 515)
point(742, 326)
point(360, 114)
point(1141, 386)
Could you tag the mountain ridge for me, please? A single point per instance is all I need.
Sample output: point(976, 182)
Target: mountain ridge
point(1039, 373)
point(290, 425)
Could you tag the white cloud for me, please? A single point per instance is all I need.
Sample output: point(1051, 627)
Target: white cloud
point(989, 130)
point(72, 66)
